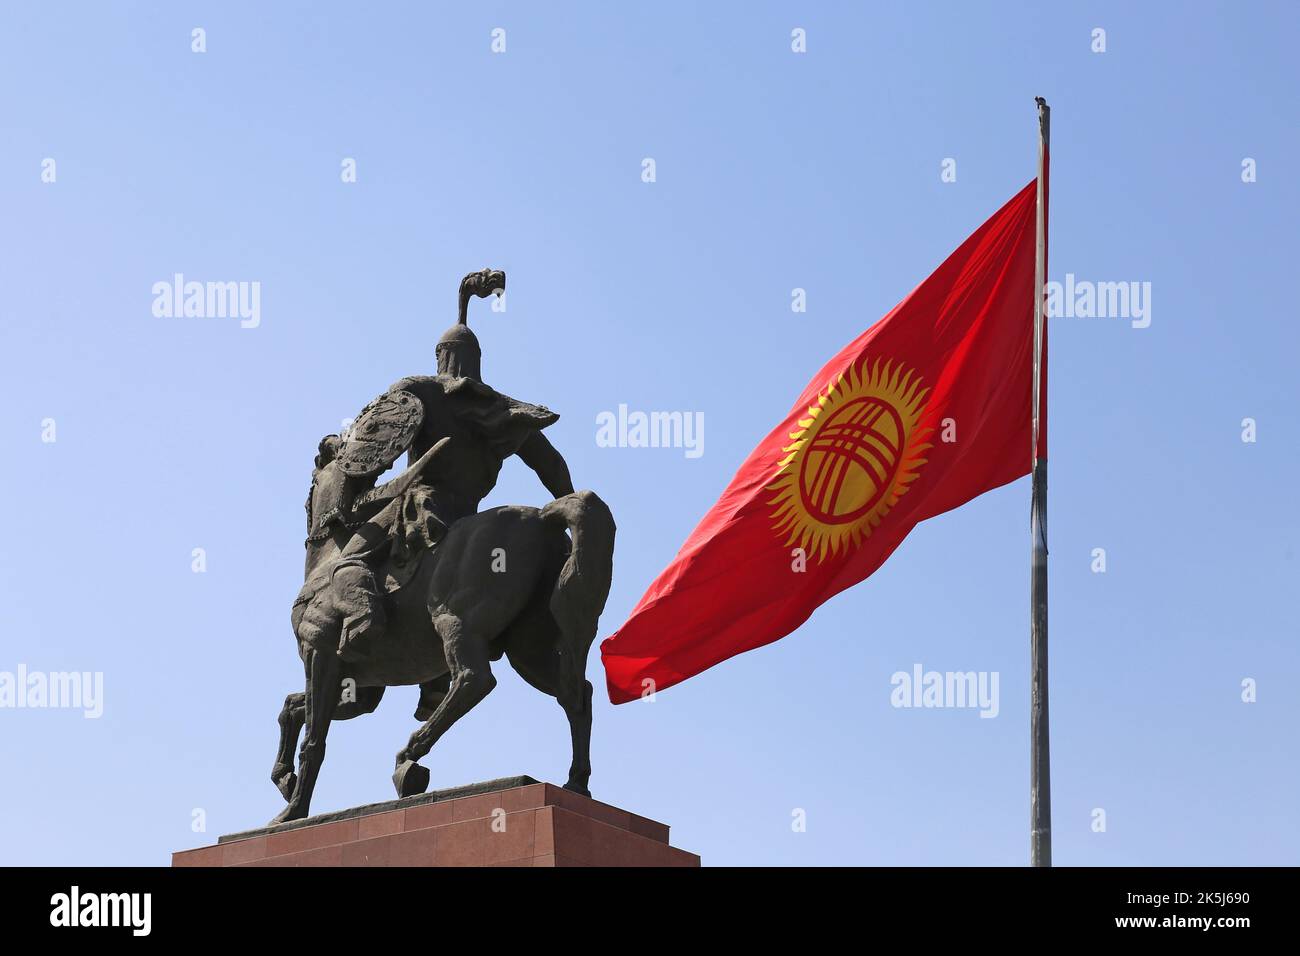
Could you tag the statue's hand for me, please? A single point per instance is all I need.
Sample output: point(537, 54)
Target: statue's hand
point(483, 283)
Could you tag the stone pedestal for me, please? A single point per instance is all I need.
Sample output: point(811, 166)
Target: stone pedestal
point(515, 821)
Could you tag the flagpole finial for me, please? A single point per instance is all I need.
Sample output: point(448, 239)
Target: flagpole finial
point(1044, 115)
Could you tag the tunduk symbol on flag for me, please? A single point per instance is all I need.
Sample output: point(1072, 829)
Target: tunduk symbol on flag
point(851, 459)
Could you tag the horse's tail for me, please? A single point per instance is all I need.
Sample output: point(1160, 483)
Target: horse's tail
point(583, 583)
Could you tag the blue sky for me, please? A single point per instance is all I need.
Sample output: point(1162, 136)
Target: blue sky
point(775, 171)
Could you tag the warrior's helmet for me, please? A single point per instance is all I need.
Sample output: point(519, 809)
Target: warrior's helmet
point(458, 350)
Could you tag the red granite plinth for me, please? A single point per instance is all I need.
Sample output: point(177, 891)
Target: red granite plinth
point(533, 825)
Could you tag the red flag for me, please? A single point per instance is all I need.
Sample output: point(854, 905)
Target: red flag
point(928, 408)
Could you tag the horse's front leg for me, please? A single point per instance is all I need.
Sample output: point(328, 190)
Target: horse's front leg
point(324, 684)
point(471, 680)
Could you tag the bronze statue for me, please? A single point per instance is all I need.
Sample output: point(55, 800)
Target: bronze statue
point(408, 583)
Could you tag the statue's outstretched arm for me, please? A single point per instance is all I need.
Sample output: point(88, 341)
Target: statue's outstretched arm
point(541, 456)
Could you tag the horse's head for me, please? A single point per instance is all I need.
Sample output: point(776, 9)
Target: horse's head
point(327, 450)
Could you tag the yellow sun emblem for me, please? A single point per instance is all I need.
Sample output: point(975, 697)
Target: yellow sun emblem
point(851, 459)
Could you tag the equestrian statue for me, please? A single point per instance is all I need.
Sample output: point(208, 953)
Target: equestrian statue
point(407, 582)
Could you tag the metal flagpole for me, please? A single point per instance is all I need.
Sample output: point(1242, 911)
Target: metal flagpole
point(1040, 772)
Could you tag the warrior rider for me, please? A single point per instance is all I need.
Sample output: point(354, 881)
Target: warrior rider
point(472, 429)
point(485, 428)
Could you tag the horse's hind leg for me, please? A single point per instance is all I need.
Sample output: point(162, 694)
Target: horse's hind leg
point(291, 720)
point(575, 698)
point(532, 651)
point(471, 681)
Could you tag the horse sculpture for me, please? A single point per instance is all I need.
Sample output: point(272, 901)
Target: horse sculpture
point(528, 583)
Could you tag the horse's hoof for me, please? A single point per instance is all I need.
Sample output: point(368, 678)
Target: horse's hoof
point(285, 815)
point(410, 778)
point(285, 783)
point(577, 788)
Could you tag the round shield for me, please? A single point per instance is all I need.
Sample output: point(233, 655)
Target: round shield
point(378, 435)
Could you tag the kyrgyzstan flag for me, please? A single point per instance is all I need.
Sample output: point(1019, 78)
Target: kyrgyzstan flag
point(928, 408)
